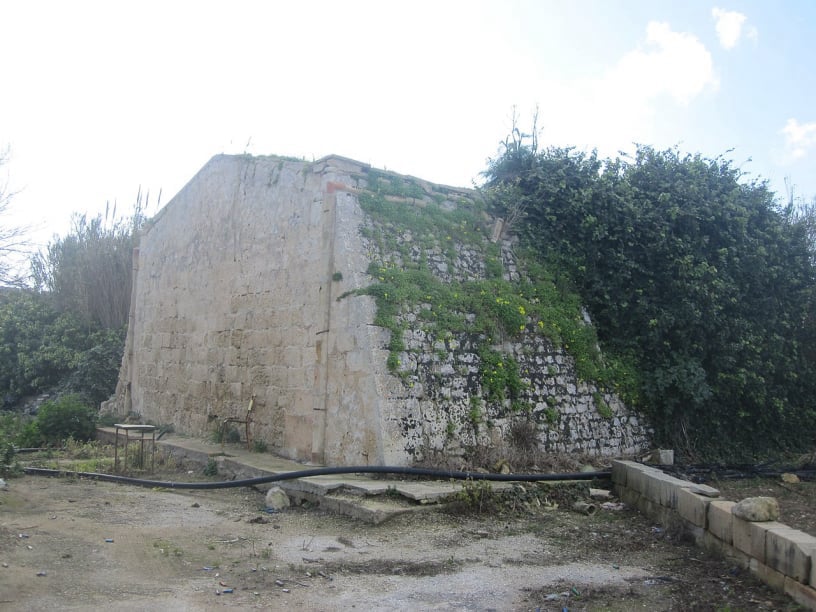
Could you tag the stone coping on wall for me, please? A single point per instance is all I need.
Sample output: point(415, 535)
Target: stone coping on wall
point(782, 557)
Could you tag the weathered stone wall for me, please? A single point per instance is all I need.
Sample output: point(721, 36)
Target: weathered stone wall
point(235, 296)
point(434, 408)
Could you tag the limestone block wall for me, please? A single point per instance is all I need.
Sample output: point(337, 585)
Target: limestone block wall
point(782, 557)
point(235, 298)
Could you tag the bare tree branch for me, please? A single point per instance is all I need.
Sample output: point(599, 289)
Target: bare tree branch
point(14, 243)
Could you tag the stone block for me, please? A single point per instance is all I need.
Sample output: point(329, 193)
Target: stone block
point(737, 556)
point(670, 491)
point(628, 496)
point(789, 551)
point(701, 489)
point(812, 580)
point(637, 477)
point(646, 506)
point(749, 537)
point(720, 520)
point(712, 543)
point(619, 471)
point(692, 507)
point(655, 484)
point(768, 575)
point(662, 456)
point(647, 480)
point(804, 595)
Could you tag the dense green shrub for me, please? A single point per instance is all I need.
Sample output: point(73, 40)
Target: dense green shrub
point(38, 345)
point(41, 348)
point(97, 369)
point(691, 274)
point(67, 417)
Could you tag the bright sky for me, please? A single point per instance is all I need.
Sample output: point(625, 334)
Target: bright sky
point(99, 98)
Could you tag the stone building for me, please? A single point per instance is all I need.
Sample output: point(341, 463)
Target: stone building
point(235, 298)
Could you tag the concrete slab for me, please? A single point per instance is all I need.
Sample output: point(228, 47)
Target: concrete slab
point(371, 499)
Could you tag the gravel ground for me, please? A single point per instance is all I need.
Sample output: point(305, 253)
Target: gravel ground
point(201, 550)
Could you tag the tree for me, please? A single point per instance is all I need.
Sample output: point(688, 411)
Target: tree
point(39, 347)
point(803, 213)
point(12, 237)
point(89, 271)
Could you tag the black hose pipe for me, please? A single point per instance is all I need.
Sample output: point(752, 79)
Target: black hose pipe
point(324, 471)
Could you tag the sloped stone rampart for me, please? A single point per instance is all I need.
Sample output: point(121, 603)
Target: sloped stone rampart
point(433, 411)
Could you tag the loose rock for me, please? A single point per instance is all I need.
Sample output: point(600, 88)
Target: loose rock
point(757, 509)
point(276, 499)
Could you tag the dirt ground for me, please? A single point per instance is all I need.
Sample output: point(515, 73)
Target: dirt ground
point(82, 545)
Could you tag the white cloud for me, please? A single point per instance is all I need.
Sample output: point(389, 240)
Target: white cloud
point(729, 26)
point(800, 138)
point(673, 63)
point(621, 105)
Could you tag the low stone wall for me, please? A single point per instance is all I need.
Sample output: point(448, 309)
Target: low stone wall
point(782, 557)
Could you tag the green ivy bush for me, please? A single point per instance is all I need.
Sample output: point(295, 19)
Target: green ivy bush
point(59, 420)
point(696, 279)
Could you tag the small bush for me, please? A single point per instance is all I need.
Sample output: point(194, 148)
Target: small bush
point(211, 469)
point(67, 417)
point(476, 496)
point(260, 446)
point(523, 435)
point(8, 463)
point(602, 407)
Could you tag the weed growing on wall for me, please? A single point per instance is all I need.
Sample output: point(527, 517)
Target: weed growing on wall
point(500, 376)
point(602, 407)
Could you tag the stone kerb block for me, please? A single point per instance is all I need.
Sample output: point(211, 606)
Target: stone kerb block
point(662, 488)
point(671, 488)
point(720, 520)
point(638, 477)
point(803, 595)
point(619, 471)
point(812, 580)
point(774, 579)
point(701, 489)
point(628, 496)
point(634, 477)
point(694, 508)
point(789, 551)
point(749, 537)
